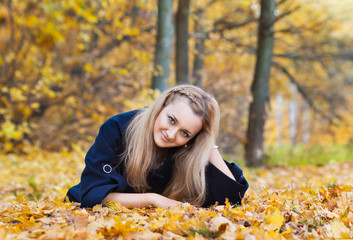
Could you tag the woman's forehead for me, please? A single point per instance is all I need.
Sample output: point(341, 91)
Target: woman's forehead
point(182, 111)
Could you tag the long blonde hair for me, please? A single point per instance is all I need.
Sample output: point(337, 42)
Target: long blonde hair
point(188, 180)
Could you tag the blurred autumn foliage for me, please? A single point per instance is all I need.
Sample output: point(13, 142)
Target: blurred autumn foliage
point(66, 66)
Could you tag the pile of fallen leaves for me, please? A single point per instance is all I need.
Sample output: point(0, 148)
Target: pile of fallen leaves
point(308, 202)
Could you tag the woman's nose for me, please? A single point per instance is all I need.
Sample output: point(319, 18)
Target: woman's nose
point(172, 133)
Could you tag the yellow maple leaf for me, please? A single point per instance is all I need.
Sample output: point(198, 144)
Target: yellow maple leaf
point(274, 221)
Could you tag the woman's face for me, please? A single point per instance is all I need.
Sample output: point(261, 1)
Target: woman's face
point(176, 124)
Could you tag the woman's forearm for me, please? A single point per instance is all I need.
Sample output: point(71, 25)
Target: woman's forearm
point(129, 199)
point(139, 200)
point(217, 160)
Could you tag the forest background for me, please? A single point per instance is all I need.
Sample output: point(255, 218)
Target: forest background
point(66, 66)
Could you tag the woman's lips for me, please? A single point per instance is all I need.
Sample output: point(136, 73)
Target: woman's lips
point(164, 138)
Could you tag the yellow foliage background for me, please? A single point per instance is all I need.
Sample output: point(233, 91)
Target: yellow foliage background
point(66, 66)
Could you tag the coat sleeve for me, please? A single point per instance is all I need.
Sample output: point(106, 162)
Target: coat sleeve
point(220, 187)
point(100, 175)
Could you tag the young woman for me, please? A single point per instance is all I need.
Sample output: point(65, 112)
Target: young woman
point(160, 156)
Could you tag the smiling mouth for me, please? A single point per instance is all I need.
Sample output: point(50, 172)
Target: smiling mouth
point(164, 137)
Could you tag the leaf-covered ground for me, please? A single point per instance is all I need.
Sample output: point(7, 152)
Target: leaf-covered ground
point(308, 202)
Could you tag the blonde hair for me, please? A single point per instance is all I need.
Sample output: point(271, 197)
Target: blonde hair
point(188, 180)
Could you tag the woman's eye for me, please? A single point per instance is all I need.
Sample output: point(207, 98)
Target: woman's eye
point(171, 119)
point(185, 134)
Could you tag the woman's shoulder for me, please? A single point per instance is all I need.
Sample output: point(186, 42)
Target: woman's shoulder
point(126, 116)
point(122, 120)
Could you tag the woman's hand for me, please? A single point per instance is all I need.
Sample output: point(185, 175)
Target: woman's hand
point(140, 199)
point(158, 200)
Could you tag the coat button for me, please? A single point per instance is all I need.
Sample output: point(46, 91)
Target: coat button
point(107, 168)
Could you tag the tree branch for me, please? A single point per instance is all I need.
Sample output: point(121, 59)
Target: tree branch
point(284, 14)
point(231, 25)
point(303, 92)
point(200, 11)
point(347, 55)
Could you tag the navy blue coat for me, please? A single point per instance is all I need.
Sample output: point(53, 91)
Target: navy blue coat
point(103, 173)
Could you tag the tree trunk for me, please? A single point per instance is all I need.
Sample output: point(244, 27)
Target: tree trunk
point(182, 50)
point(199, 52)
point(293, 114)
point(134, 13)
point(279, 118)
point(164, 44)
point(306, 123)
point(260, 85)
